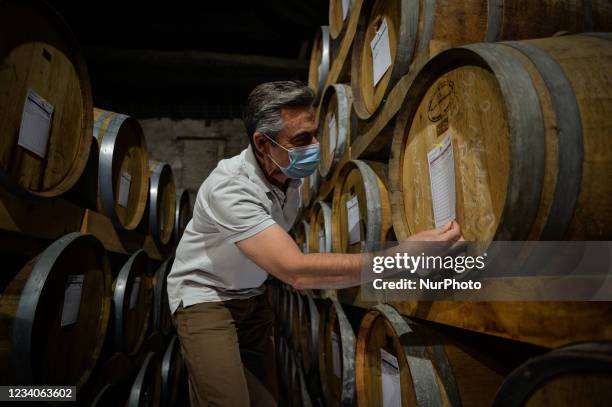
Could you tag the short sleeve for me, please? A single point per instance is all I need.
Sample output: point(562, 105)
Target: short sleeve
point(238, 209)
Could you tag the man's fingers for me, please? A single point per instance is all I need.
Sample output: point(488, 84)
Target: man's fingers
point(452, 234)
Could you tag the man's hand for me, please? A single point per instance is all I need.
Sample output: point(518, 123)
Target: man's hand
point(451, 232)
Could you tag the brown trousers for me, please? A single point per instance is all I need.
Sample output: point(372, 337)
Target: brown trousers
point(229, 352)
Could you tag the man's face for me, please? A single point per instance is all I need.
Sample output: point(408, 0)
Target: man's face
point(299, 130)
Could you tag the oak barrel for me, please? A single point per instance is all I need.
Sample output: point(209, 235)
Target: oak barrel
point(295, 320)
point(529, 140)
point(320, 228)
point(320, 60)
point(336, 124)
point(54, 314)
point(337, 357)
point(162, 318)
point(399, 359)
point(416, 30)
point(182, 214)
point(123, 173)
point(162, 202)
point(361, 212)
point(132, 298)
point(45, 101)
point(574, 375)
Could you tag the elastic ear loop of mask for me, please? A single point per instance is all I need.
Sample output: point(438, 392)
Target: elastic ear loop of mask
point(280, 147)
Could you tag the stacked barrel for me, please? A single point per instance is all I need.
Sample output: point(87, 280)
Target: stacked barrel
point(83, 298)
point(520, 91)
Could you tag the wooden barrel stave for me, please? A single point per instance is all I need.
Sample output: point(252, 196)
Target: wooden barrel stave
point(538, 180)
point(36, 348)
point(47, 60)
point(302, 235)
point(132, 299)
point(123, 163)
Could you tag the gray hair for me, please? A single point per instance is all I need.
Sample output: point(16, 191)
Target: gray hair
point(263, 111)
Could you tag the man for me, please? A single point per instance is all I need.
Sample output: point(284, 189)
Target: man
point(237, 236)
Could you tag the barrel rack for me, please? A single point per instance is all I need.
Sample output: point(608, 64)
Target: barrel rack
point(548, 324)
point(53, 218)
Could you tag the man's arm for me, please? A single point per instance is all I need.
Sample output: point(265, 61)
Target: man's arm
point(274, 251)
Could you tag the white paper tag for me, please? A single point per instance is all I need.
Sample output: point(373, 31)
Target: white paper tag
point(134, 292)
point(35, 124)
point(442, 178)
point(304, 248)
point(352, 210)
point(381, 52)
point(72, 299)
point(345, 8)
point(390, 378)
point(332, 133)
point(336, 364)
point(322, 241)
point(124, 189)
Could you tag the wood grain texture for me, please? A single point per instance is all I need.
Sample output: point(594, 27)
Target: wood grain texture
point(45, 59)
point(536, 182)
point(34, 346)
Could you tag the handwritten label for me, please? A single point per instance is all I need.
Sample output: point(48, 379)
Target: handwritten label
point(442, 179)
point(381, 52)
point(124, 189)
point(72, 299)
point(352, 210)
point(390, 378)
point(35, 124)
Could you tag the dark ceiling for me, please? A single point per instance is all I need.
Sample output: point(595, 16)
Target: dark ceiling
point(191, 59)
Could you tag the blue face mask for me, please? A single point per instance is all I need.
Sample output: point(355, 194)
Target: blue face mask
point(303, 161)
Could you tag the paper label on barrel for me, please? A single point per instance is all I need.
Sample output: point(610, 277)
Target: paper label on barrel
point(442, 180)
point(304, 247)
point(381, 52)
point(336, 363)
point(72, 299)
point(134, 292)
point(322, 241)
point(124, 189)
point(390, 380)
point(35, 124)
point(332, 133)
point(352, 212)
point(346, 4)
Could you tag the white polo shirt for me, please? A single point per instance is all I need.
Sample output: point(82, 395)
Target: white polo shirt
point(234, 202)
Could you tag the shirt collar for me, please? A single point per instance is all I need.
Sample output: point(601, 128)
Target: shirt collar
point(256, 174)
